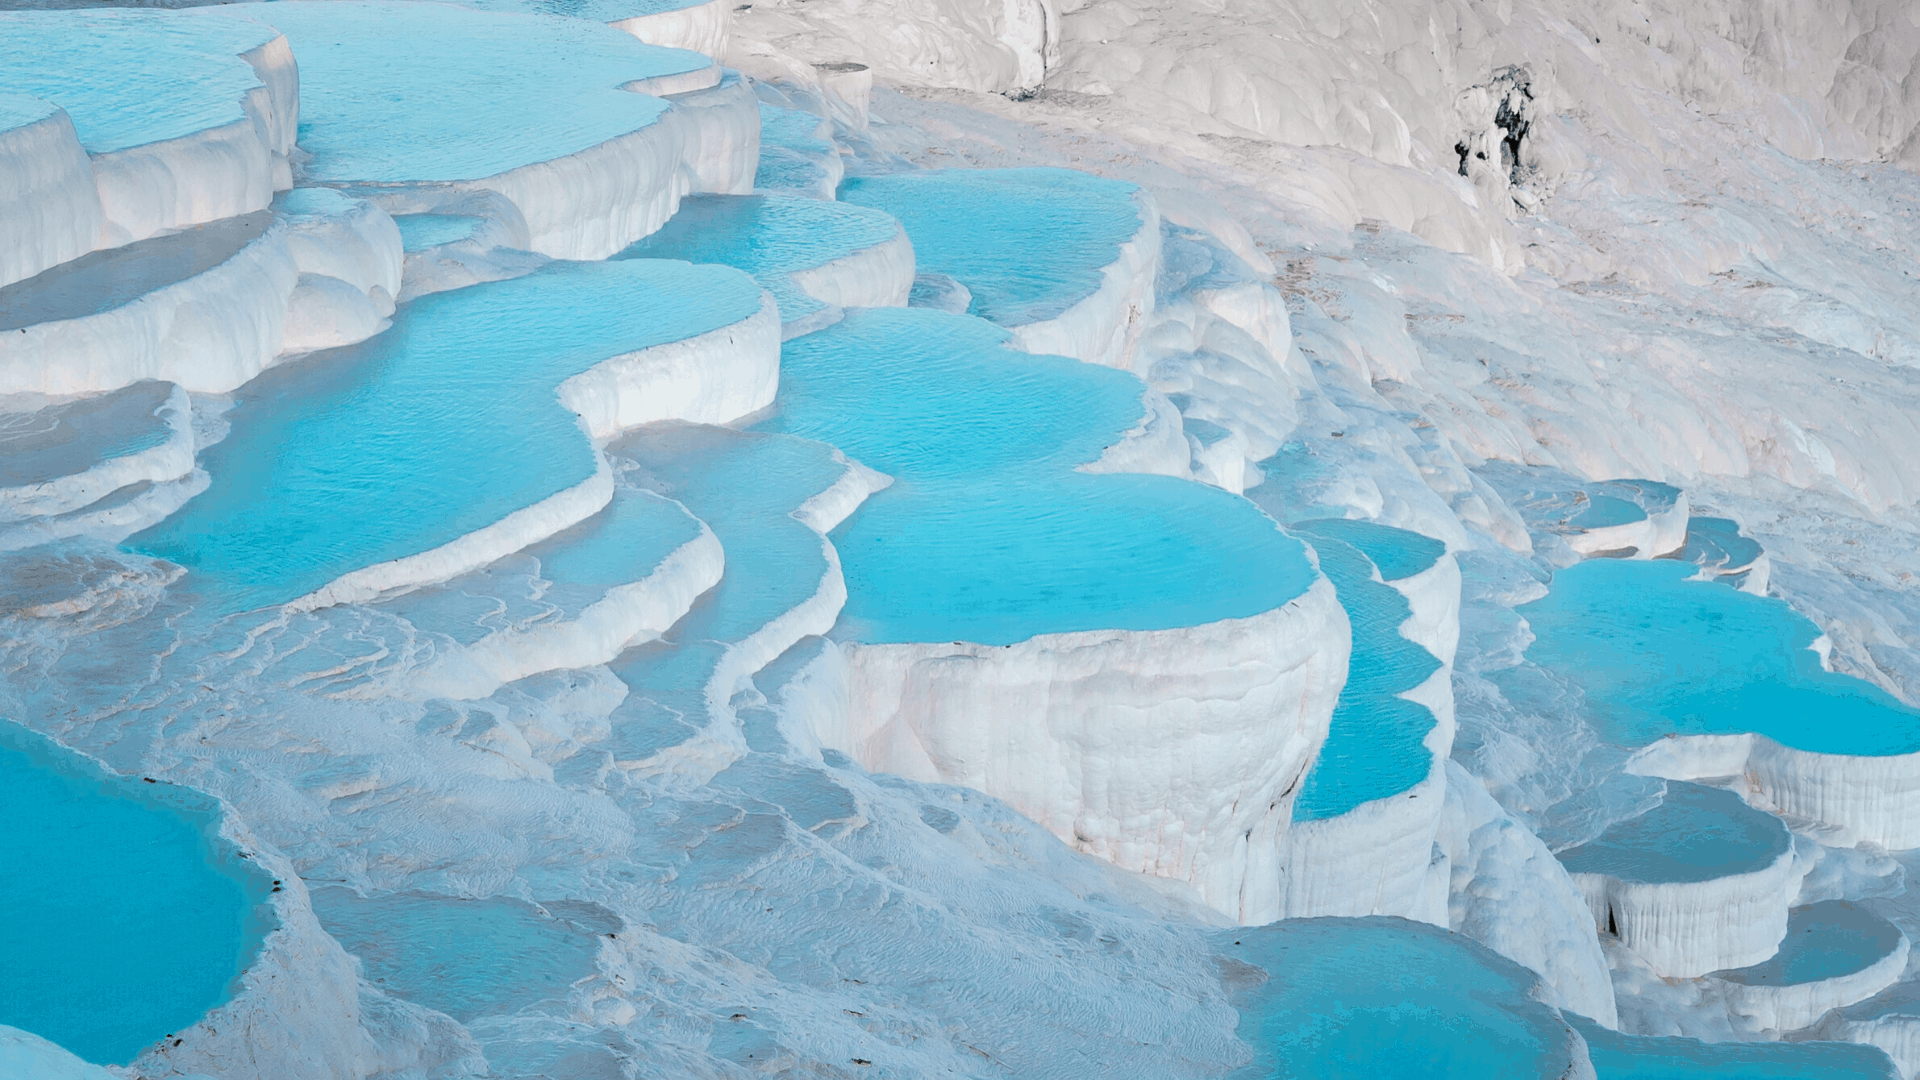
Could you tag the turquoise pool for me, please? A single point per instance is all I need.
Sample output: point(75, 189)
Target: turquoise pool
point(988, 533)
point(128, 918)
point(1657, 654)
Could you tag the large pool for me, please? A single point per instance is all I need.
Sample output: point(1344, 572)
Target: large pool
point(1657, 654)
point(988, 533)
point(443, 425)
point(1028, 243)
point(127, 917)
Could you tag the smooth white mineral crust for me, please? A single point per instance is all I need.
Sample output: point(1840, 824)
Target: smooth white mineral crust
point(1509, 893)
point(1175, 753)
point(877, 276)
point(1103, 328)
point(52, 210)
point(701, 28)
point(723, 141)
point(1657, 534)
point(29, 1057)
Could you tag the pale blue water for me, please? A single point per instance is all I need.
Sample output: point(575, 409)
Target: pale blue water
point(1377, 998)
point(988, 534)
point(1697, 833)
point(1824, 941)
point(493, 91)
point(1647, 1057)
point(419, 232)
point(620, 544)
point(443, 425)
point(1028, 243)
point(1374, 743)
point(1656, 654)
point(127, 917)
point(745, 486)
point(768, 236)
point(103, 280)
point(467, 958)
point(128, 77)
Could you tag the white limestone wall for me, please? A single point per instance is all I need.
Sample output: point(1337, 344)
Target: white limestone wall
point(713, 378)
point(703, 28)
point(24, 1054)
point(1798, 1005)
point(1896, 1033)
point(1684, 930)
point(1104, 327)
point(1175, 753)
point(1509, 893)
point(723, 142)
point(217, 173)
point(216, 330)
point(51, 212)
point(1863, 799)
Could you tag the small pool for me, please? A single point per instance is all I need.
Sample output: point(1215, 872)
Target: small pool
point(1656, 654)
point(394, 92)
point(1824, 941)
point(988, 533)
point(61, 440)
point(418, 232)
point(1647, 1057)
point(1027, 243)
point(745, 486)
point(1696, 833)
point(467, 958)
point(1374, 744)
point(443, 425)
point(768, 236)
point(128, 918)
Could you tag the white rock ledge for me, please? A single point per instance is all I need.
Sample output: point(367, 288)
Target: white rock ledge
point(1780, 1007)
point(703, 28)
point(1104, 327)
point(52, 210)
point(1175, 753)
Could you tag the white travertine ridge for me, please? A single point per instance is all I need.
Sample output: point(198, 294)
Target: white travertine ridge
point(1103, 328)
point(701, 28)
point(1120, 742)
point(52, 212)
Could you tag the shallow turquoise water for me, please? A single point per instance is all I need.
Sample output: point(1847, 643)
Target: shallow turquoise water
point(127, 917)
point(1646, 1057)
point(622, 543)
point(1696, 834)
point(1396, 553)
point(63, 439)
point(988, 534)
point(1373, 998)
point(1374, 742)
point(443, 425)
point(1824, 941)
point(1656, 654)
point(768, 236)
point(419, 232)
point(129, 77)
point(19, 110)
point(1716, 541)
point(1605, 510)
point(745, 486)
point(1028, 243)
point(466, 958)
point(405, 91)
point(790, 151)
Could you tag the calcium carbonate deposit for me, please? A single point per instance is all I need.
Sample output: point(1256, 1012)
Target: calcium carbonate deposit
point(614, 539)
